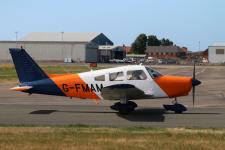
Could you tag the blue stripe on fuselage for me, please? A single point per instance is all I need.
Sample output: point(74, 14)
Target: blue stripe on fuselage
point(45, 86)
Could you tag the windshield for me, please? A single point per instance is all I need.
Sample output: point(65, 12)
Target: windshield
point(153, 73)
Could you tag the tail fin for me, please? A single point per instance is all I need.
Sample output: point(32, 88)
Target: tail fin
point(26, 68)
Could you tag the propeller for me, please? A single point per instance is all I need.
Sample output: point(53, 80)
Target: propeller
point(195, 82)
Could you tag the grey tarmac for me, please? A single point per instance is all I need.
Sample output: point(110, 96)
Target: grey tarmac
point(103, 116)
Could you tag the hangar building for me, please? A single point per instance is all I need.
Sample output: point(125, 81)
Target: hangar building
point(216, 53)
point(58, 46)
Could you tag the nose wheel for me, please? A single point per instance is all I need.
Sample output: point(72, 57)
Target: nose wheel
point(124, 107)
point(176, 107)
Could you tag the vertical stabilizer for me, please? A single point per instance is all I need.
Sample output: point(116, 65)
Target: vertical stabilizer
point(26, 68)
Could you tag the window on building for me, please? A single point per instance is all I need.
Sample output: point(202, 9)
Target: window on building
point(219, 51)
point(100, 78)
point(116, 76)
point(136, 75)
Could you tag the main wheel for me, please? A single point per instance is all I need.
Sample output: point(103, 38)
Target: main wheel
point(125, 108)
point(178, 112)
point(133, 104)
point(124, 111)
point(116, 106)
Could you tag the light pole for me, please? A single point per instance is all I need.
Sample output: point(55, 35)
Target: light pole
point(199, 48)
point(62, 38)
point(16, 33)
point(146, 47)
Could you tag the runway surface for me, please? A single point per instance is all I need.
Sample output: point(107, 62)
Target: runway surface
point(103, 116)
point(20, 109)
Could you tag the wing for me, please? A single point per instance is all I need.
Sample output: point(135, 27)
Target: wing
point(122, 91)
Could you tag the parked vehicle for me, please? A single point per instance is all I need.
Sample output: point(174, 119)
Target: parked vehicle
point(116, 61)
point(128, 60)
point(160, 61)
point(167, 61)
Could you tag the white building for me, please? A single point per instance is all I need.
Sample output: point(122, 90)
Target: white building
point(216, 53)
point(58, 46)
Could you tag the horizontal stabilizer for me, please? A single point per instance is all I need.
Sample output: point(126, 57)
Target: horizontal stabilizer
point(21, 88)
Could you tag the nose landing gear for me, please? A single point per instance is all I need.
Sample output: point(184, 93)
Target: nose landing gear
point(176, 107)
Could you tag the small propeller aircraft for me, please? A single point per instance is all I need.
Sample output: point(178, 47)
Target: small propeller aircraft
point(123, 84)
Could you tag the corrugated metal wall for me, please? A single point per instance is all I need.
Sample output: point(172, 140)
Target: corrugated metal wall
point(47, 51)
point(4, 50)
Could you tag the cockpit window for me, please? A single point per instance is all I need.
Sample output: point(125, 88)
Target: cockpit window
point(136, 75)
point(153, 73)
point(116, 76)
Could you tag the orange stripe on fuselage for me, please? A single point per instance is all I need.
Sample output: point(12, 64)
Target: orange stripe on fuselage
point(56, 75)
point(72, 86)
point(174, 86)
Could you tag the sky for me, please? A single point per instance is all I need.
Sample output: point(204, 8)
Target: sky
point(185, 22)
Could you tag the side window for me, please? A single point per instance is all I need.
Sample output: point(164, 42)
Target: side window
point(136, 75)
point(100, 78)
point(116, 76)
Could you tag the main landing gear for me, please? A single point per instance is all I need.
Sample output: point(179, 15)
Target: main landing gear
point(176, 107)
point(124, 107)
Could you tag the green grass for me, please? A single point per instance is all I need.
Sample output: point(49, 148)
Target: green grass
point(8, 72)
point(86, 138)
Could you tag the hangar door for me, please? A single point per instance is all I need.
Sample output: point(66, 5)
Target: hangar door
point(91, 55)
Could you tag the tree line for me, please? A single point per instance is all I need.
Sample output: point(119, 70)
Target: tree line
point(139, 45)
